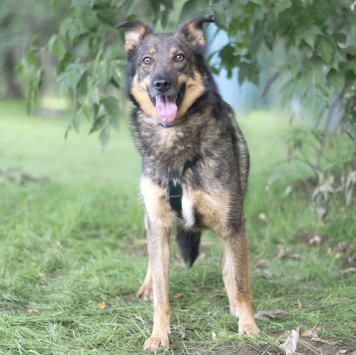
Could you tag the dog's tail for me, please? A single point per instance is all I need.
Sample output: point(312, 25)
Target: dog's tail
point(188, 242)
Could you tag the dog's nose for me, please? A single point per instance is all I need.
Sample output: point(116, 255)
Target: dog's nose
point(162, 84)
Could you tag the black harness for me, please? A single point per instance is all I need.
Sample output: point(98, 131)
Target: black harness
point(175, 189)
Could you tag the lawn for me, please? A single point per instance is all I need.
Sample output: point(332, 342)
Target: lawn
point(73, 251)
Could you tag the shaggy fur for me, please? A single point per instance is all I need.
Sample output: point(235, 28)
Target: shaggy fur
point(179, 117)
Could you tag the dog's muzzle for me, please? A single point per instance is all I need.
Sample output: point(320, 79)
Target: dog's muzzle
point(163, 95)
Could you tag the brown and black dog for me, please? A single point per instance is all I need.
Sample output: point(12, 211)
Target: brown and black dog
point(195, 164)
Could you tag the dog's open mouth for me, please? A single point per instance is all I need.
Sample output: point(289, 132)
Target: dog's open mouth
point(166, 108)
point(167, 105)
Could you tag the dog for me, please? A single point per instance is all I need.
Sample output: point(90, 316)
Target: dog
point(195, 165)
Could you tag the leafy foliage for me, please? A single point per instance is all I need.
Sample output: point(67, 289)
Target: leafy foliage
point(310, 45)
point(309, 42)
point(18, 25)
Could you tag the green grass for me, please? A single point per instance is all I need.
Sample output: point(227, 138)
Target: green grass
point(72, 237)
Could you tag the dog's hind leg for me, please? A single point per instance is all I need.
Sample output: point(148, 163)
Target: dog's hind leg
point(236, 280)
point(159, 221)
point(229, 283)
point(146, 292)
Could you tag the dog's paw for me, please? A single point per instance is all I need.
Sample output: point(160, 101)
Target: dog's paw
point(153, 343)
point(145, 293)
point(249, 329)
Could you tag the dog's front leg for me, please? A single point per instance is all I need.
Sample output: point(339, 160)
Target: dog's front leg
point(159, 219)
point(158, 252)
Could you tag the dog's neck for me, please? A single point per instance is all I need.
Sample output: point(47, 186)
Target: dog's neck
point(168, 125)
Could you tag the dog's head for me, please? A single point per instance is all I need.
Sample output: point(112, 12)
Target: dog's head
point(163, 76)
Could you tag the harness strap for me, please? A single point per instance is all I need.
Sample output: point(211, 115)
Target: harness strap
point(175, 190)
point(175, 197)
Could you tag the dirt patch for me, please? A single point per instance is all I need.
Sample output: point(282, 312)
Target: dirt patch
point(16, 176)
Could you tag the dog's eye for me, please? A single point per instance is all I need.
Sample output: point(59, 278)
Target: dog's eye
point(147, 60)
point(179, 57)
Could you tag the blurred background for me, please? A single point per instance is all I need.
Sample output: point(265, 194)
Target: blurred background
point(37, 22)
point(72, 237)
point(295, 58)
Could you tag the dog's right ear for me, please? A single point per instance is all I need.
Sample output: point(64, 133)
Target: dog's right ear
point(135, 31)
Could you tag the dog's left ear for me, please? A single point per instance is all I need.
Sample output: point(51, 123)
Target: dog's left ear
point(193, 32)
point(135, 31)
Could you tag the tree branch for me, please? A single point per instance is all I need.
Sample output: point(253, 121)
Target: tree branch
point(270, 81)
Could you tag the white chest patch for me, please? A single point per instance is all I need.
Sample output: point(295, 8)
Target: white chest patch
point(187, 212)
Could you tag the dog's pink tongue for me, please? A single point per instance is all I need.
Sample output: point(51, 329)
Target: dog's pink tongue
point(166, 109)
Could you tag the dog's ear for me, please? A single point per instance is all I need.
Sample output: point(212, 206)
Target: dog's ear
point(193, 32)
point(135, 31)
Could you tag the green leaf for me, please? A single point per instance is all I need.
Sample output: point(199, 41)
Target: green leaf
point(82, 86)
point(294, 66)
point(188, 9)
point(242, 73)
point(91, 110)
point(94, 99)
point(322, 91)
point(99, 124)
point(76, 122)
point(309, 39)
point(101, 4)
point(66, 133)
point(71, 28)
point(111, 106)
point(227, 55)
point(62, 65)
point(34, 86)
point(324, 50)
point(27, 62)
point(220, 15)
point(154, 5)
point(57, 47)
point(30, 59)
point(303, 82)
point(336, 79)
point(106, 72)
point(287, 92)
point(165, 17)
point(307, 34)
point(311, 34)
point(281, 5)
point(104, 136)
point(340, 37)
point(114, 123)
point(351, 65)
point(317, 67)
point(70, 78)
point(107, 16)
point(65, 27)
point(116, 80)
point(351, 50)
point(250, 71)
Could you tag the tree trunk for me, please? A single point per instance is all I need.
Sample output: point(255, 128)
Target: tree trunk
point(13, 89)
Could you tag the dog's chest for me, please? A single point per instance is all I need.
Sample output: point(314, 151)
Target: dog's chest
point(173, 143)
point(166, 150)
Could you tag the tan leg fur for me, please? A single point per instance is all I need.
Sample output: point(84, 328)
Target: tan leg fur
point(159, 219)
point(146, 292)
point(236, 280)
point(215, 214)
